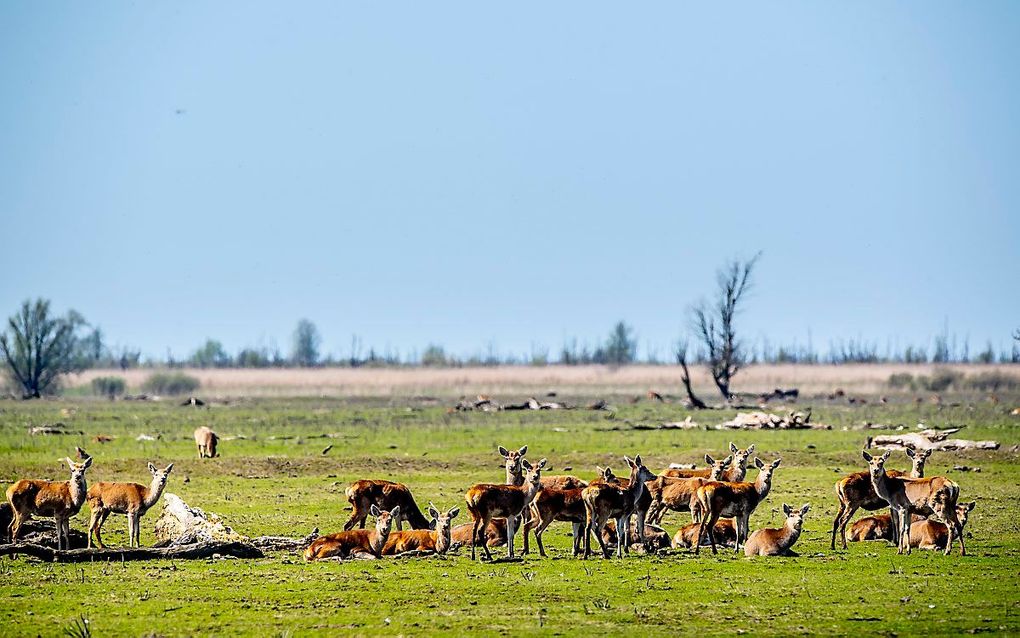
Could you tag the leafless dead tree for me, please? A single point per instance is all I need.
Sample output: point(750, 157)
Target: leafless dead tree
point(714, 323)
point(685, 375)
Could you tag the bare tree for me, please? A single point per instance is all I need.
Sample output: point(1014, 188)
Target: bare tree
point(37, 348)
point(713, 323)
point(681, 358)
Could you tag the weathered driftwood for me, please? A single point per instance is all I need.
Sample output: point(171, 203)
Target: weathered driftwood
point(929, 439)
point(687, 424)
point(284, 543)
point(180, 524)
point(769, 421)
point(483, 403)
point(177, 552)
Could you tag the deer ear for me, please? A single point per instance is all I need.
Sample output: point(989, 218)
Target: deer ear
point(70, 463)
point(971, 505)
point(453, 513)
point(885, 457)
point(804, 509)
point(867, 457)
point(630, 461)
point(758, 464)
point(542, 463)
point(787, 510)
point(433, 512)
point(503, 451)
point(87, 464)
point(776, 463)
point(709, 459)
point(728, 460)
point(395, 512)
point(600, 470)
point(523, 450)
point(152, 468)
point(750, 449)
point(168, 468)
point(374, 511)
point(733, 448)
point(910, 452)
point(637, 460)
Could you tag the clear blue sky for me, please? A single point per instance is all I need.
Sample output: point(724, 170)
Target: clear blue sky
point(470, 174)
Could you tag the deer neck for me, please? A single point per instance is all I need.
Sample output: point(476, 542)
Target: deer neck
point(78, 490)
point(377, 540)
point(442, 540)
point(762, 485)
point(790, 535)
point(152, 493)
point(917, 471)
point(637, 486)
point(514, 478)
point(881, 484)
point(530, 490)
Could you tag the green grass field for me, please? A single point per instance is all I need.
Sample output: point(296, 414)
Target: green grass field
point(275, 481)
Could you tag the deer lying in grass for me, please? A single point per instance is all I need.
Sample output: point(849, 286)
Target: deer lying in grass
point(604, 500)
point(777, 542)
point(655, 538)
point(875, 528)
point(687, 536)
point(132, 499)
point(732, 500)
point(206, 440)
point(556, 504)
point(677, 494)
point(59, 499)
point(855, 491)
point(495, 533)
point(385, 495)
point(436, 540)
point(936, 496)
point(486, 501)
point(928, 534)
point(358, 543)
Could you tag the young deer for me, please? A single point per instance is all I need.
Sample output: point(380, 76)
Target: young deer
point(855, 491)
point(676, 494)
point(358, 543)
point(604, 500)
point(554, 504)
point(495, 533)
point(486, 501)
point(132, 499)
point(928, 534)
point(59, 499)
point(777, 542)
point(436, 540)
point(736, 471)
point(206, 441)
point(385, 495)
point(935, 496)
point(687, 536)
point(732, 500)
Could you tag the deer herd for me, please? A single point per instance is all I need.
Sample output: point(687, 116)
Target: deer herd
point(618, 511)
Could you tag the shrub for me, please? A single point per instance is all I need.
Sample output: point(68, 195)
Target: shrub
point(901, 380)
point(108, 386)
point(941, 380)
point(992, 381)
point(170, 383)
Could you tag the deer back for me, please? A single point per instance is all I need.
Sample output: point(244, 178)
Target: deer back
point(496, 499)
point(44, 498)
point(116, 497)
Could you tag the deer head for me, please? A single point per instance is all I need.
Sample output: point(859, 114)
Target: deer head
point(638, 472)
point(512, 460)
point(963, 512)
point(718, 467)
point(159, 477)
point(78, 469)
point(533, 478)
point(740, 456)
point(917, 460)
point(765, 471)
point(876, 464)
point(795, 518)
point(443, 522)
point(384, 520)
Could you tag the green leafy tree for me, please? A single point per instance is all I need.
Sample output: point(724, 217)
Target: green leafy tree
point(37, 347)
point(211, 355)
point(306, 344)
point(621, 347)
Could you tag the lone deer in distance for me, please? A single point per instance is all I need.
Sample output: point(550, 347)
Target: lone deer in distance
point(206, 440)
point(132, 499)
point(358, 543)
point(777, 542)
point(59, 499)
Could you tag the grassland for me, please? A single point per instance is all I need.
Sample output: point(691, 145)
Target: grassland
point(274, 480)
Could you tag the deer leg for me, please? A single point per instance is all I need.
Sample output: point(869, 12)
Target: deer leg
point(588, 522)
point(836, 523)
point(600, 524)
point(58, 523)
point(577, 537)
point(474, 537)
point(848, 513)
point(510, 531)
point(103, 514)
point(711, 531)
point(93, 520)
point(622, 536)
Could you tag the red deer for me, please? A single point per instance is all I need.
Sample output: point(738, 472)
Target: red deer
point(936, 496)
point(604, 500)
point(655, 539)
point(385, 495)
point(495, 533)
point(928, 534)
point(676, 494)
point(777, 542)
point(687, 536)
point(515, 472)
point(855, 491)
point(59, 499)
point(555, 504)
point(733, 500)
point(874, 528)
point(736, 471)
point(206, 441)
point(436, 540)
point(132, 499)
point(358, 543)
point(486, 501)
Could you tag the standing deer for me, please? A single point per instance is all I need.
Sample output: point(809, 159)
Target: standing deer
point(436, 540)
point(385, 495)
point(604, 500)
point(132, 499)
point(486, 501)
point(935, 496)
point(515, 472)
point(358, 543)
point(732, 500)
point(677, 494)
point(206, 441)
point(928, 534)
point(59, 499)
point(855, 491)
point(736, 471)
point(777, 542)
point(556, 504)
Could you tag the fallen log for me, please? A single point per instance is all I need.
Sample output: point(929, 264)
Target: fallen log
point(284, 543)
point(192, 551)
point(918, 441)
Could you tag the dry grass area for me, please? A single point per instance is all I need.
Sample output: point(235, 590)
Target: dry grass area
point(517, 381)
